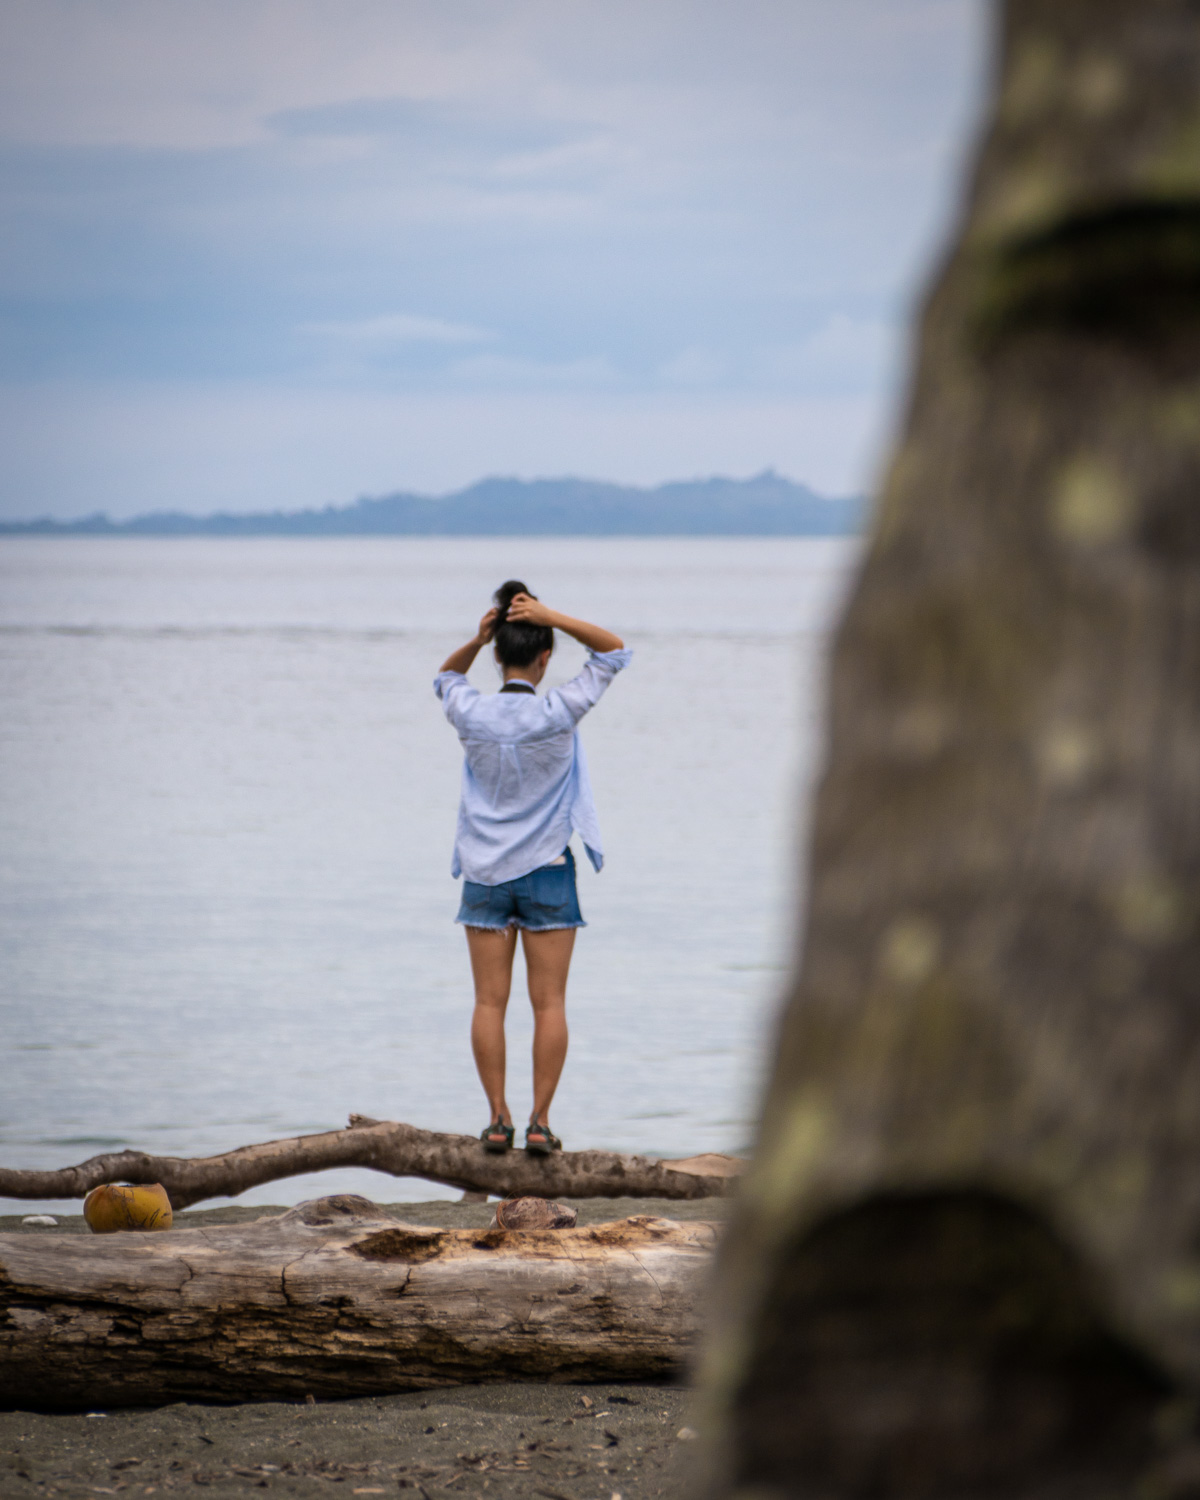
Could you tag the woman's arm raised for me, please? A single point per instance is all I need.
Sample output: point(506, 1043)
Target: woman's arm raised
point(460, 660)
point(534, 612)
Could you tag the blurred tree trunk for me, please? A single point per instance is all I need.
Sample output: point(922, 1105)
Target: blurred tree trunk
point(967, 1258)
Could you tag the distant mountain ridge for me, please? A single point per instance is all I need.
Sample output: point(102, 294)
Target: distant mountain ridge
point(766, 505)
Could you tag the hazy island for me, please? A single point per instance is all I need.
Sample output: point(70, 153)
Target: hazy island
point(766, 505)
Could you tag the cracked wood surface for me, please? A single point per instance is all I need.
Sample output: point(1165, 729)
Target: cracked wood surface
point(340, 1303)
point(397, 1149)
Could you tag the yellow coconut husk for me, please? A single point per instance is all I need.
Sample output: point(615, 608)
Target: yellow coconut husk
point(121, 1205)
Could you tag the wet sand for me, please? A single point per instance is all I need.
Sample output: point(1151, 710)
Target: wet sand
point(566, 1441)
point(561, 1442)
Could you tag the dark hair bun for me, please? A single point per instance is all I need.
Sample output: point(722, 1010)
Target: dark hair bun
point(518, 644)
point(505, 595)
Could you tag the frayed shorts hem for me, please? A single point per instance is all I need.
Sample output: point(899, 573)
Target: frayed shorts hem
point(524, 926)
point(545, 900)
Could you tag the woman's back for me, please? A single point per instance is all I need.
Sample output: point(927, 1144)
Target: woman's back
point(525, 788)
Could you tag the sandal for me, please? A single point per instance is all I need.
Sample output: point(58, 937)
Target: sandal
point(544, 1147)
point(490, 1137)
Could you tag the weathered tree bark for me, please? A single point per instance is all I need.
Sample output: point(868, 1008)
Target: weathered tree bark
point(336, 1299)
point(401, 1151)
point(967, 1256)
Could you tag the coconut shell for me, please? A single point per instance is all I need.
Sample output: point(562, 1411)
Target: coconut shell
point(121, 1205)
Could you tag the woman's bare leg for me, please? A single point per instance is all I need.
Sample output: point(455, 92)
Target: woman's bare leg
point(547, 961)
point(491, 967)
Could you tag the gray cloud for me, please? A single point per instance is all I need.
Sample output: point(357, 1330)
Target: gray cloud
point(386, 200)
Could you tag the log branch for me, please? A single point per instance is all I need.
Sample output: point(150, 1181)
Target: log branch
point(457, 1161)
point(334, 1299)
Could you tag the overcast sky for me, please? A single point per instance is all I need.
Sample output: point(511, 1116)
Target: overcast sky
point(263, 253)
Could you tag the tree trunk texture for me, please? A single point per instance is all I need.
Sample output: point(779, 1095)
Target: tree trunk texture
point(400, 1150)
point(967, 1257)
point(336, 1299)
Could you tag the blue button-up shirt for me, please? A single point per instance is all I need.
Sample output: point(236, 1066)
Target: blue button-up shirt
point(525, 786)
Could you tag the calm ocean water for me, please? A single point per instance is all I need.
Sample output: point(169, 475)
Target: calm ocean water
point(227, 798)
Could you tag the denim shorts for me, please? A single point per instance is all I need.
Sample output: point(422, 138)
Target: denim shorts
point(545, 900)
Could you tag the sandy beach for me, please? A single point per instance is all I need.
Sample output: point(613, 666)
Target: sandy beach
point(568, 1441)
point(562, 1442)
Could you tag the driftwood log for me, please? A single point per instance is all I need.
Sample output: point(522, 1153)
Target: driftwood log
point(336, 1299)
point(401, 1151)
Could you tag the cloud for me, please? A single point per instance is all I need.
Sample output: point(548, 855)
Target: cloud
point(75, 449)
point(726, 207)
point(844, 352)
point(694, 367)
point(398, 328)
point(501, 371)
point(571, 161)
point(141, 74)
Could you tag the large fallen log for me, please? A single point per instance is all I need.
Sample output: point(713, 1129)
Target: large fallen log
point(400, 1150)
point(336, 1299)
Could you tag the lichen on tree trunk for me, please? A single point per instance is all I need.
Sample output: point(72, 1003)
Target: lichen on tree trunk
point(995, 1021)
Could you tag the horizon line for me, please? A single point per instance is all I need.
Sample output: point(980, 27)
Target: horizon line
point(101, 519)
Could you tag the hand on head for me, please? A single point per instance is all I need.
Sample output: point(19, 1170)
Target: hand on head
point(528, 611)
point(487, 626)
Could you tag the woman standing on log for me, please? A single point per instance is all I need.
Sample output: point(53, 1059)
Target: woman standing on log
point(525, 791)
